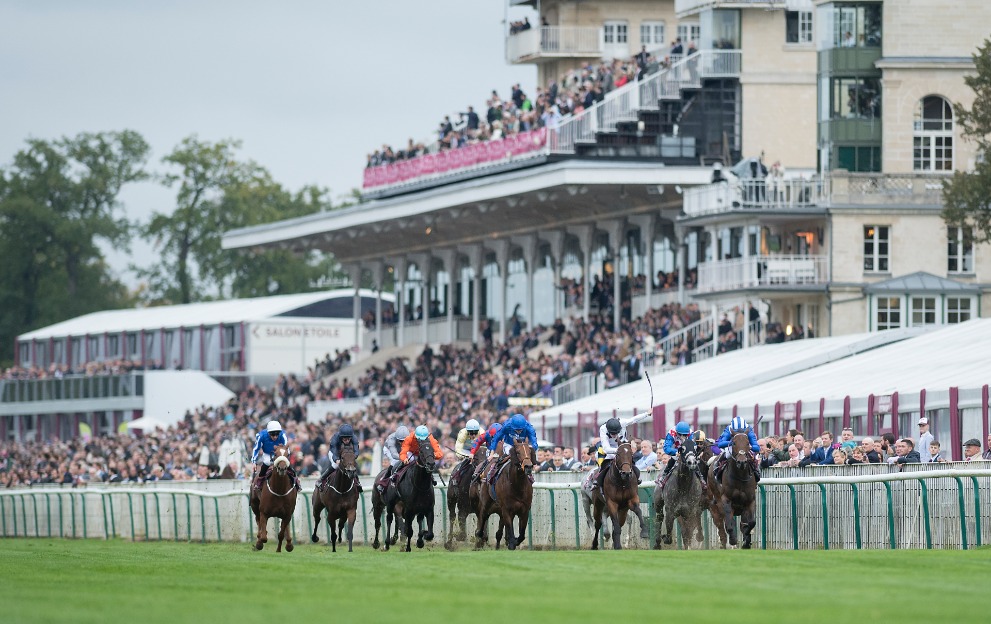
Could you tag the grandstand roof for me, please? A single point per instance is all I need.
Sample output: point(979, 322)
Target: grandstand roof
point(205, 313)
point(689, 385)
point(956, 355)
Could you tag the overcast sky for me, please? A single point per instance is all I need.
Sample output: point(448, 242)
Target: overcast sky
point(310, 87)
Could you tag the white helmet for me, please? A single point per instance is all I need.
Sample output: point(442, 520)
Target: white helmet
point(472, 425)
point(274, 426)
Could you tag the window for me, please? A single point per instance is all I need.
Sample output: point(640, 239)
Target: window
point(889, 313)
point(614, 32)
point(798, 26)
point(876, 248)
point(958, 309)
point(862, 159)
point(652, 34)
point(688, 32)
point(933, 138)
point(113, 346)
point(960, 250)
point(856, 98)
point(923, 311)
point(855, 25)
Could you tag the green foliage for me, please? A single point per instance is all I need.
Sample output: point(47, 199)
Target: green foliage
point(967, 195)
point(58, 201)
point(217, 193)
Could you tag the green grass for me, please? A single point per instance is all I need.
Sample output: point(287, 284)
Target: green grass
point(143, 583)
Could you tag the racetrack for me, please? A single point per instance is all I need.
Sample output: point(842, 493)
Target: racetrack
point(142, 583)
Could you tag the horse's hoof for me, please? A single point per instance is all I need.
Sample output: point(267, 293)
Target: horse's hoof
point(259, 545)
point(428, 536)
point(314, 538)
point(667, 540)
point(595, 546)
point(645, 534)
point(419, 542)
point(375, 544)
point(289, 547)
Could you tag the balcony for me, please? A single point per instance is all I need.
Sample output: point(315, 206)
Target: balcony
point(554, 42)
point(689, 7)
point(894, 189)
point(773, 272)
point(726, 197)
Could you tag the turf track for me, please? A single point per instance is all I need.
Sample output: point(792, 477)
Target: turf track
point(142, 583)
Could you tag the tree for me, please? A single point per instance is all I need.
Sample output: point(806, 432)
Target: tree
point(58, 202)
point(967, 195)
point(217, 193)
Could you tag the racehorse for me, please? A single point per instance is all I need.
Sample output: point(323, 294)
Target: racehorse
point(510, 494)
point(620, 486)
point(339, 496)
point(680, 498)
point(378, 507)
point(458, 505)
point(735, 494)
point(413, 497)
point(276, 499)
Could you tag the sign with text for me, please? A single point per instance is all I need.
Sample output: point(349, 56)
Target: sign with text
point(293, 345)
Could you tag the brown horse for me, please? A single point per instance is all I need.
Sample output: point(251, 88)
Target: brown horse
point(621, 486)
point(276, 499)
point(735, 494)
point(378, 508)
point(458, 496)
point(512, 499)
point(339, 496)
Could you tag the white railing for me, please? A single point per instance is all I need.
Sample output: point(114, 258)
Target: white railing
point(754, 194)
point(778, 270)
point(554, 41)
point(886, 188)
point(682, 7)
point(575, 388)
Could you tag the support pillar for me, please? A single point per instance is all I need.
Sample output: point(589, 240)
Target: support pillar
point(556, 240)
point(528, 243)
point(616, 229)
point(449, 259)
point(647, 224)
point(585, 235)
point(378, 274)
point(401, 267)
point(476, 255)
point(682, 258)
point(355, 271)
point(501, 249)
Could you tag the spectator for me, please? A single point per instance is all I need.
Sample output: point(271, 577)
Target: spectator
point(987, 454)
point(925, 439)
point(934, 456)
point(793, 461)
point(906, 453)
point(648, 458)
point(871, 453)
point(972, 450)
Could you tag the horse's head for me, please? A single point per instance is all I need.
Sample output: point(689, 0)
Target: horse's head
point(521, 456)
point(624, 460)
point(687, 451)
point(425, 458)
point(280, 459)
point(741, 448)
point(349, 462)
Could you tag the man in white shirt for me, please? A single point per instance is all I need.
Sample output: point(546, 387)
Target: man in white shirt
point(924, 439)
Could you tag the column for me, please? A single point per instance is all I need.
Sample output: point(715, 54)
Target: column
point(400, 268)
point(378, 274)
point(681, 258)
point(528, 244)
point(585, 234)
point(647, 224)
point(355, 271)
point(616, 229)
point(501, 249)
point(449, 259)
point(476, 255)
point(556, 241)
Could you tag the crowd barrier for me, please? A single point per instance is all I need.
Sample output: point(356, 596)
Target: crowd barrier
point(947, 506)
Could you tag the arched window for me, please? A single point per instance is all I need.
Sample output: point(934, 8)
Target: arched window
point(933, 136)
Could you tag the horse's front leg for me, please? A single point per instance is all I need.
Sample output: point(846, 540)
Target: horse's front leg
point(597, 515)
point(377, 518)
point(523, 517)
point(282, 533)
point(421, 533)
point(262, 531)
point(635, 508)
point(618, 521)
point(500, 531)
point(287, 527)
point(408, 529)
point(340, 528)
point(669, 527)
point(729, 522)
point(429, 535)
point(658, 522)
point(351, 516)
point(332, 523)
point(507, 521)
point(317, 510)
point(747, 523)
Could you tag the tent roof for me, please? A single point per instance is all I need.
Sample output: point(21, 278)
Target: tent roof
point(734, 371)
point(207, 313)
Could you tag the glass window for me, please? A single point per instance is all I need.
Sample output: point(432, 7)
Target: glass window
point(889, 313)
point(798, 26)
point(614, 32)
point(958, 309)
point(652, 34)
point(923, 311)
point(856, 25)
point(876, 248)
point(960, 250)
point(856, 98)
point(932, 140)
point(113, 346)
point(863, 159)
point(688, 32)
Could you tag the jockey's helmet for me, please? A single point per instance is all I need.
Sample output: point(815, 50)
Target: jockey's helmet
point(518, 421)
point(346, 431)
point(739, 424)
point(402, 432)
point(472, 425)
point(613, 426)
point(274, 426)
point(683, 428)
point(422, 433)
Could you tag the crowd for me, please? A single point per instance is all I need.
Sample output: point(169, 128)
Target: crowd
point(90, 369)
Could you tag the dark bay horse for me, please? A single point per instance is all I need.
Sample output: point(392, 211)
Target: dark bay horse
point(458, 497)
point(621, 486)
point(680, 498)
point(276, 499)
point(413, 497)
point(339, 496)
point(512, 499)
point(378, 508)
point(735, 494)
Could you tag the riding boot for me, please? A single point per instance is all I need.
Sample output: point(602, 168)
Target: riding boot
point(601, 477)
point(262, 473)
point(705, 486)
point(755, 464)
point(667, 472)
point(324, 475)
point(720, 465)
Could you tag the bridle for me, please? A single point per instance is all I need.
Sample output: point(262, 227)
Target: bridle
point(624, 475)
point(348, 472)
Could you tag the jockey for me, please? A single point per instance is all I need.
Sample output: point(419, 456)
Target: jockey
point(516, 427)
point(394, 445)
point(411, 445)
point(463, 447)
point(482, 442)
point(611, 434)
point(672, 442)
point(725, 441)
point(343, 437)
point(265, 443)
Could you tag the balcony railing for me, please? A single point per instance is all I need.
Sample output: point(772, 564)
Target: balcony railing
point(687, 7)
point(554, 41)
point(763, 271)
point(754, 195)
point(899, 189)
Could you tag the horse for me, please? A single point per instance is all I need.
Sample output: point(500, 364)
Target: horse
point(620, 486)
point(735, 494)
point(276, 499)
point(339, 496)
point(413, 496)
point(680, 498)
point(378, 507)
point(458, 496)
point(510, 494)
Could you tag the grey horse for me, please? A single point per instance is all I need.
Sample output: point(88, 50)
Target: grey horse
point(680, 499)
